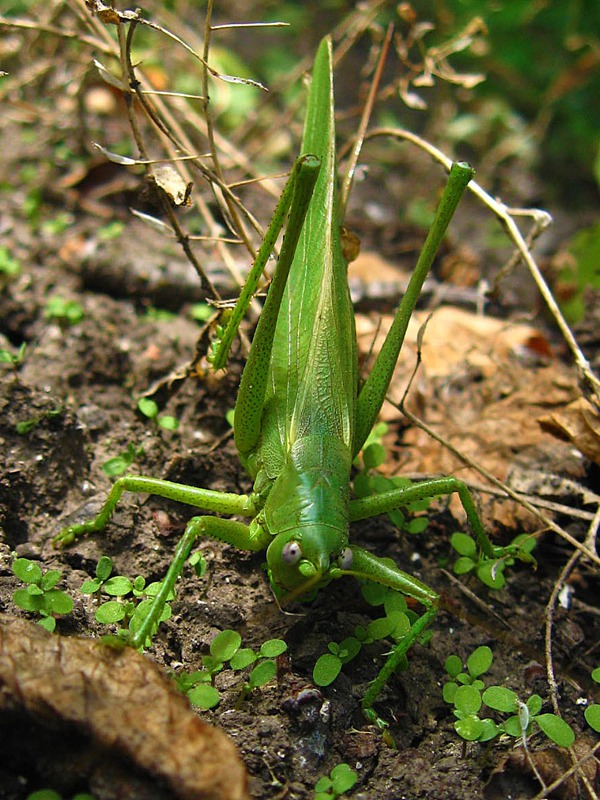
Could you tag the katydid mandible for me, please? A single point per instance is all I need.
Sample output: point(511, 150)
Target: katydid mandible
point(300, 418)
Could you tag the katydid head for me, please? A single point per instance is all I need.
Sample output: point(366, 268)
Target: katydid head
point(310, 556)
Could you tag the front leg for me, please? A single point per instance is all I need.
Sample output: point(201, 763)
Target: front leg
point(367, 507)
point(244, 537)
point(366, 566)
point(207, 499)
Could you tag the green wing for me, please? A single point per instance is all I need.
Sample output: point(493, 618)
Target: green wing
point(312, 385)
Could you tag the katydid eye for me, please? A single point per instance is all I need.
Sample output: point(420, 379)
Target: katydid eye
point(345, 558)
point(291, 553)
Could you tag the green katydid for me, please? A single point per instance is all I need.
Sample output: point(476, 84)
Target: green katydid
point(300, 418)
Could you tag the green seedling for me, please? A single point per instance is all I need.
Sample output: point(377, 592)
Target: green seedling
point(25, 426)
point(201, 312)
point(339, 781)
point(65, 312)
point(368, 482)
point(226, 647)
point(41, 595)
point(10, 267)
point(467, 693)
point(394, 625)
point(150, 409)
point(592, 712)
point(301, 417)
point(153, 314)
point(112, 230)
point(13, 360)
point(131, 611)
point(489, 571)
point(58, 224)
point(119, 464)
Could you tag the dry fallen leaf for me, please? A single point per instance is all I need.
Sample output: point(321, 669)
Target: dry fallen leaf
point(108, 718)
point(483, 384)
point(551, 763)
point(578, 423)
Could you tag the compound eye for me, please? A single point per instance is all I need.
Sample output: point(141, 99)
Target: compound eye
point(345, 558)
point(291, 553)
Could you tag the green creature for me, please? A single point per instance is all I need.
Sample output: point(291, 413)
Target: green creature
point(301, 417)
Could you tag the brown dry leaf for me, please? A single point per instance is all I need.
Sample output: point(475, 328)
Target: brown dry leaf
point(133, 718)
point(578, 423)
point(483, 387)
point(167, 178)
point(551, 763)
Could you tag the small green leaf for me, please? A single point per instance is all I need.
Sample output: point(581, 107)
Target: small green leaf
point(323, 785)
point(463, 565)
point(343, 778)
point(262, 673)
point(48, 624)
point(463, 544)
point(273, 648)
point(326, 670)
point(50, 579)
point(453, 665)
point(417, 525)
point(592, 716)
point(90, 586)
point(500, 699)
point(58, 602)
point(373, 456)
point(110, 612)
point(148, 407)
point(394, 601)
point(225, 645)
point(467, 700)
point(168, 422)
point(154, 588)
point(44, 794)
point(27, 571)
point(400, 624)
point(200, 312)
point(490, 573)
point(534, 704)
point(204, 696)
point(362, 485)
point(243, 658)
point(449, 691)
point(596, 674)
point(469, 728)
point(115, 466)
point(489, 730)
point(556, 729)
point(117, 586)
point(104, 568)
point(199, 563)
point(380, 628)
point(397, 518)
point(512, 726)
point(480, 661)
point(374, 593)
point(350, 647)
point(26, 601)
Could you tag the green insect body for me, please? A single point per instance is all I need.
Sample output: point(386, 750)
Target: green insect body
point(300, 418)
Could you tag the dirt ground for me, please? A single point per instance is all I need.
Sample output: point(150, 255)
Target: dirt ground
point(78, 385)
